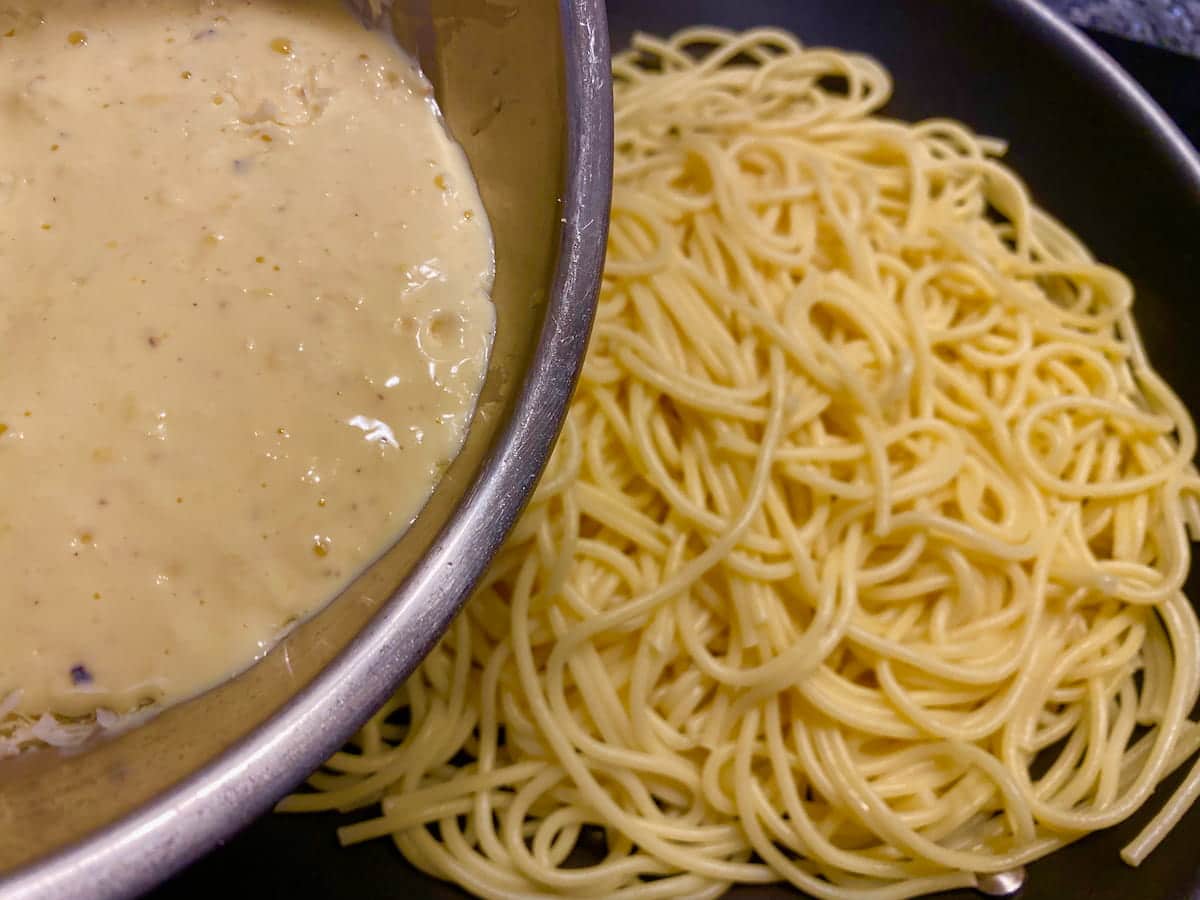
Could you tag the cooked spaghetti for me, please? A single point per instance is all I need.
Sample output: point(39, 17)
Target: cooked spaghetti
point(859, 564)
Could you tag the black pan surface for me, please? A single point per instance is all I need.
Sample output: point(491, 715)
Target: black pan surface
point(1093, 159)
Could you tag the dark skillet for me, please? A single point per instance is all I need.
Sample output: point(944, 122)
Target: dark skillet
point(1096, 156)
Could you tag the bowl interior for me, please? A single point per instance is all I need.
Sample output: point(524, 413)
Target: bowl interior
point(500, 83)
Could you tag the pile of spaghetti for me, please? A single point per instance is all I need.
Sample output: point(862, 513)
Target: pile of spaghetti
point(859, 564)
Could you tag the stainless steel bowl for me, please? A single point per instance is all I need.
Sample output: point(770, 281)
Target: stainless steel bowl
point(524, 86)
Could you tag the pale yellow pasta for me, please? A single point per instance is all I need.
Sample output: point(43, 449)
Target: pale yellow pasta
point(868, 500)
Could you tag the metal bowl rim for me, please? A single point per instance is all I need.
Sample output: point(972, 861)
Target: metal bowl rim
point(183, 823)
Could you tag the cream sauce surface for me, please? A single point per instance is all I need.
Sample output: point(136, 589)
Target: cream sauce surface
point(245, 317)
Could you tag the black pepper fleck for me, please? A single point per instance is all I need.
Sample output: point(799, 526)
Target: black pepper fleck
point(80, 675)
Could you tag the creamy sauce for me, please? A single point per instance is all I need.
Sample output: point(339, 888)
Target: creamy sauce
point(244, 321)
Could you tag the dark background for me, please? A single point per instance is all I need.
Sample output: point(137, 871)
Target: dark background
point(299, 855)
point(1173, 24)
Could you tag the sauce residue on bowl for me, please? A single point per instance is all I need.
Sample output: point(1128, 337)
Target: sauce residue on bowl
point(245, 318)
